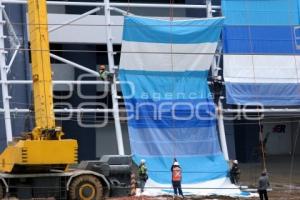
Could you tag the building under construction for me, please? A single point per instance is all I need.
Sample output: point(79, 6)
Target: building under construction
point(241, 54)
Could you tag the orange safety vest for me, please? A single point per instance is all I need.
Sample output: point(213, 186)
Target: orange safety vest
point(176, 174)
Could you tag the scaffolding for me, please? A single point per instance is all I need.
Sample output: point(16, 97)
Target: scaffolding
point(97, 6)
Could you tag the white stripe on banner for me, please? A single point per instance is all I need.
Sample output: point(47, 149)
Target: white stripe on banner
point(158, 57)
point(261, 68)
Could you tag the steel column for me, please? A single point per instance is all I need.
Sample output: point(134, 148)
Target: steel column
point(4, 86)
point(222, 131)
point(111, 64)
point(208, 8)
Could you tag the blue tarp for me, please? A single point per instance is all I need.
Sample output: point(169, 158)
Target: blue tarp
point(171, 113)
point(261, 52)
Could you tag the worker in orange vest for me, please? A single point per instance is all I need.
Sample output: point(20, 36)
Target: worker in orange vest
point(176, 178)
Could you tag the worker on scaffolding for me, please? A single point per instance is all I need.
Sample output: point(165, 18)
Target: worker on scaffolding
point(176, 178)
point(235, 172)
point(143, 175)
point(104, 74)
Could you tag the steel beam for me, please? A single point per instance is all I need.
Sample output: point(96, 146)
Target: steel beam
point(222, 131)
point(263, 110)
point(74, 19)
point(118, 10)
point(16, 82)
point(3, 71)
point(66, 110)
point(74, 64)
point(16, 39)
point(123, 5)
point(111, 64)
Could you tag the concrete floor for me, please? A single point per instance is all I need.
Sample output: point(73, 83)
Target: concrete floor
point(284, 178)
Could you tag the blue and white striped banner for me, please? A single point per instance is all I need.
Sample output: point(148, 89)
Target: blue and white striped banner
point(171, 113)
point(262, 52)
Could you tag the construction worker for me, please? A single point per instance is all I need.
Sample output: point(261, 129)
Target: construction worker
point(104, 74)
point(235, 172)
point(176, 178)
point(263, 184)
point(143, 175)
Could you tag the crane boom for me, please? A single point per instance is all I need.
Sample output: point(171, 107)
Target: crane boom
point(41, 67)
point(43, 148)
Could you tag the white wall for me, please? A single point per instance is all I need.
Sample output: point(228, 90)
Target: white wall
point(88, 30)
point(277, 143)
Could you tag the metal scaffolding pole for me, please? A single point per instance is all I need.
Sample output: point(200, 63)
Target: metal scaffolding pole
point(262, 110)
point(74, 64)
point(13, 34)
point(208, 8)
point(3, 69)
point(222, 131)
point(122, 5)
point(74, 19)
point(215, 70)
point(111, 64)
point(63, 110)
point(16, 82)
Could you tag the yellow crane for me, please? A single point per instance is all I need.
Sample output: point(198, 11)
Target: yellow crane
point(37, 165)
point(43, 148)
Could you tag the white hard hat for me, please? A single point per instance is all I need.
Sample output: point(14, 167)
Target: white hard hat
point(235, 162)
point(143, 161)
point(176, 163)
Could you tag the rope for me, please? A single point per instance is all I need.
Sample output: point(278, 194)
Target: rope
point(293, 158)
point(297, 77)
point(262, 145)
point(171, 15)
point(255, 82)
point(293, 38)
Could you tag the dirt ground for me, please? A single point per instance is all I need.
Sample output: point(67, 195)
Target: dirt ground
point(277, 193)
point(284, 173)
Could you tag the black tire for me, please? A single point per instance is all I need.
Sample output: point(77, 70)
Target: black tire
point(86, 187)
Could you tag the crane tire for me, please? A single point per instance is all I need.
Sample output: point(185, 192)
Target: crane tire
point(86, 187)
